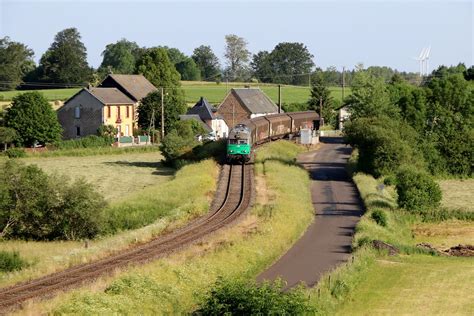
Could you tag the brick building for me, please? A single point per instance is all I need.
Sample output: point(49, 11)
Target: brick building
point(246, 103)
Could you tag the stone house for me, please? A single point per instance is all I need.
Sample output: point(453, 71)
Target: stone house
point(207, 114)
point(246, 103)
point(114, 103)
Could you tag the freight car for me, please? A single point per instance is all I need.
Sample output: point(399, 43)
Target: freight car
point(264, 128)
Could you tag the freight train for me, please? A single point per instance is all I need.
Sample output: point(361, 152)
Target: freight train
point(264, 128)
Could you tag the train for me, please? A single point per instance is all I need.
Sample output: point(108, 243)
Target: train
point(261, 129)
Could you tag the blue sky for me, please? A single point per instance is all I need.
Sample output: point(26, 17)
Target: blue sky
point(339, 33)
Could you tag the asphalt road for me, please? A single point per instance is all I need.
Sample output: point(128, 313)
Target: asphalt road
point(327, 242)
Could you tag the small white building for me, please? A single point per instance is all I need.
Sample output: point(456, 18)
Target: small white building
point(203, 110)
point(343, 115)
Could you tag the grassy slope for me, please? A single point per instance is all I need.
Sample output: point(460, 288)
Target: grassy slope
point(176, 208)
point(114, 176)
point(175, 284)
point(213, 92)
point(406, 284)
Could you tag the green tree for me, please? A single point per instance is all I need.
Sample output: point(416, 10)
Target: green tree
point(207, 62)
point(261, 67)
point(188, 70)
point(16, 60)
point(66, 60)
point(291, 63)
point(7, 136)
point(237, 56)
point(33, 118)
point(156, 66)
point(321, 95)
point(370, 97)
point(150, 107)
point(119, 57)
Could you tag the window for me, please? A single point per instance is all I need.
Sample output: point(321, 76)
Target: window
point(77, 112)
point(78, 131)
point(108, 111)
point(127, 129)
point(118, 111)
point(128, 111)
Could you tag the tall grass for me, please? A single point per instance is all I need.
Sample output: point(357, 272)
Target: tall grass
point(175, 285)
point(81, 152)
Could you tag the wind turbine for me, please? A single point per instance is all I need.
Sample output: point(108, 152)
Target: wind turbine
point(426, 59)
point(423, 59)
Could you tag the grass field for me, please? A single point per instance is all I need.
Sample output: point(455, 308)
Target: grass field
point(175, 284)
point(114, 176)
point(186, 196)
point(458, 194)
point(414, 285)
point(213, 92)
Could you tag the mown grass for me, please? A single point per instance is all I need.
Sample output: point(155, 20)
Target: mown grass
point(458, 194)
point(114, 176)
point(215, 93)
point(186, 196)
point(445, 234)
point(175, 285)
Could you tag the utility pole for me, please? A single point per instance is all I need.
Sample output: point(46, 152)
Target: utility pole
point(279, 98)
point(233, 114)
point(162, 114)
point(343, 82)
point(321, 118)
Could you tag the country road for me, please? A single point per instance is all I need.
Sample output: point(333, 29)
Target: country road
point(327, 241)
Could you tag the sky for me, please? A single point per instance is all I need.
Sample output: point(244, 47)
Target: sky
point(338, 33)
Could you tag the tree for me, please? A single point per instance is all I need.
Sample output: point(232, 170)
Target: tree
point(16, 60)
point(261, 67)
point(291, 63)
point(33, 118)
point(156, 66)
point(469, 73)
point(66, 60)
point(150, 108)
point(188, 70)
point(7, 136)
point(370, 97)
point(320, 94)
point(119, 57)
point(207, 62)
point(237, 56)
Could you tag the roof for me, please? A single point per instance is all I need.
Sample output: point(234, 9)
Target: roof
point(136, 85)
point(196, 117)
point(203, 109)
point(110, 96)
point(255, 100)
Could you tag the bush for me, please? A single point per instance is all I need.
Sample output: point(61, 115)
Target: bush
point(247, 298)
point(36, 206)
point(379, 217)
point(91, 141)
point(417, 191)
point(15, 153)
point(390, 180)
point(11, 261)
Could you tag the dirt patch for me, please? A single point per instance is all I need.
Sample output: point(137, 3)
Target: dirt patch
point(461, 251)
point(380, 245)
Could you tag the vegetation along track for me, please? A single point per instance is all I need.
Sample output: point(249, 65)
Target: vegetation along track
point(232, 199)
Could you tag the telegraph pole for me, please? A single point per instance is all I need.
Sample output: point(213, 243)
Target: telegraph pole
point(343, 82)
point(162, 114)
point(279, 98)
point(321, 118)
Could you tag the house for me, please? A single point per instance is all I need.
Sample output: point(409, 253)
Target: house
point(342, 116)
point(114, 102)
point(246, 103)
point(203, 111)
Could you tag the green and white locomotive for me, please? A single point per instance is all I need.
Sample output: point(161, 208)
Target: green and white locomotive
point(239, 144)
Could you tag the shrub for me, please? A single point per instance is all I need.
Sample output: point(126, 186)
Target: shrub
point(36, 206)
point(379, 217)
point(91, 141)
point(247, 298)
point(417, 191)
point(11, 261)
point(390, 180)
point(15, 153)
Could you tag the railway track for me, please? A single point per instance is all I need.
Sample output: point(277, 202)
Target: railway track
point(232, 199)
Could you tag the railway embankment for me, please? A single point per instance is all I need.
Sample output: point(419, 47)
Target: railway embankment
point(176, 284)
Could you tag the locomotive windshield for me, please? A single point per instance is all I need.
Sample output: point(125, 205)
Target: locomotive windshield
point(234, 141)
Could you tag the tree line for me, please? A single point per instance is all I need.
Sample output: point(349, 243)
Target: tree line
point(65, 63)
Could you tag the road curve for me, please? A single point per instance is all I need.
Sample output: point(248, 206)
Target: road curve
point(327, 241)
